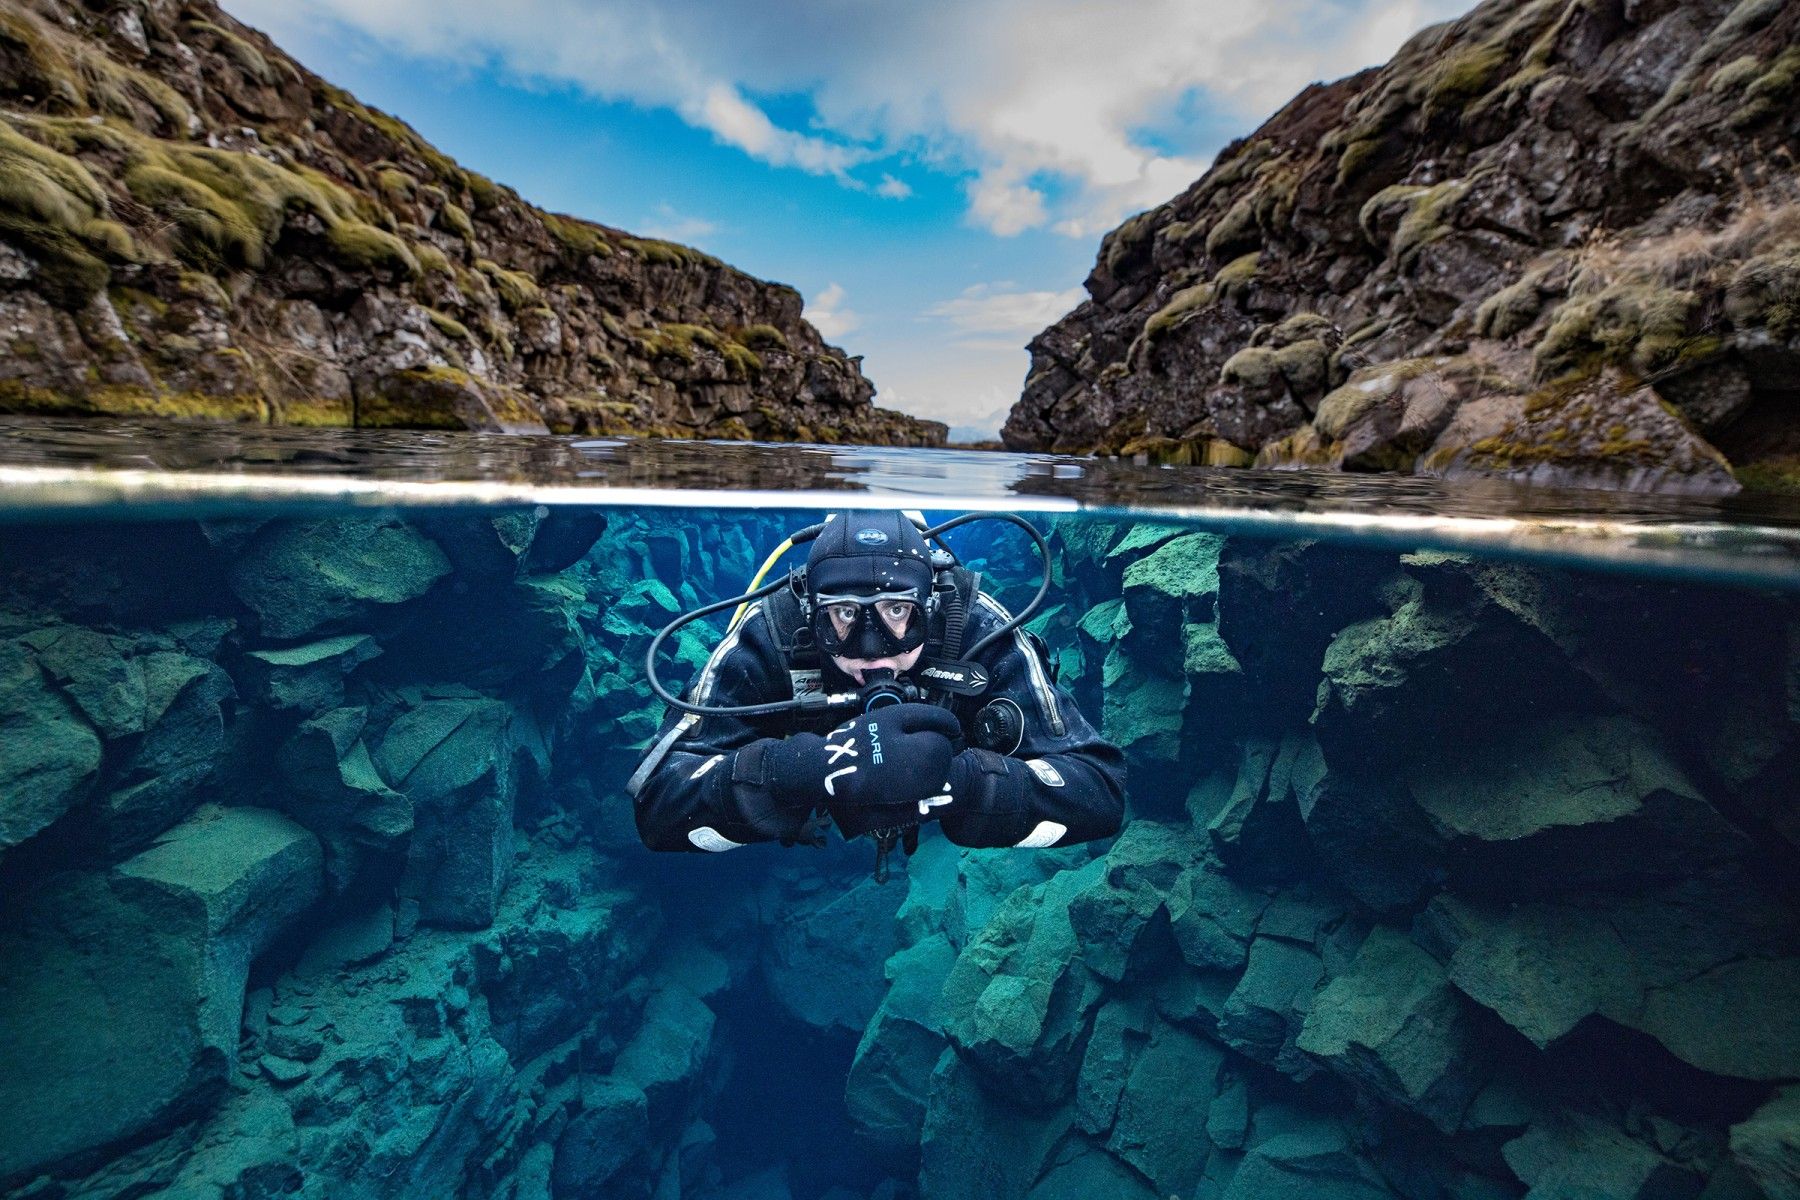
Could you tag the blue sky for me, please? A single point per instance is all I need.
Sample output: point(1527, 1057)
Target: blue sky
point(934, 177)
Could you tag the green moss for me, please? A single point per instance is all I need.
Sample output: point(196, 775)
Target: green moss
point(1510, 310)
point(51, 205)
point(1253, 368)
point(668, 254)
point(1765, 292)
point(517, 289)
point(1262, 211)
point(395, 184)
point(202, 287)
point(363, 247)
point(1455, 80)
point(1355, 160)
point(1187, 300)
point(1305, 365)
point(761, 337)
point(248, 58)
point(1427, 218)
point(1641, 325)
point(486, 194)
point(1735, 74)
point(1779, 475)
point(448, 325)
point(453, 218)
point(578, 237)
point(1777, 83)
point(58, 66)
point(229, 207)
point(431, 260)
point(741, 361)
point(1237, 275)
point(1127, 241)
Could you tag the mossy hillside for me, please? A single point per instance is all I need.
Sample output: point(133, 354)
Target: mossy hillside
point(687, 343)
point(327, 227)
point(50, 203)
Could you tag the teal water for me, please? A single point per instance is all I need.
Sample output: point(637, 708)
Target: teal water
point(1459, 857)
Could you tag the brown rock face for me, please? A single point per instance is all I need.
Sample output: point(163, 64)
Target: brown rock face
point(192, 224)
point(1555, 240)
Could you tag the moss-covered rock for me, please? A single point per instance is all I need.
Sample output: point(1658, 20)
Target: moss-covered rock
point(148, 993)
point(303, 577)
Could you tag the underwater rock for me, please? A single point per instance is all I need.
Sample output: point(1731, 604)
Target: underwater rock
point(1163, 1109)
point(334, 790)
point(136, 977)
point(976, 1144)
point(886, 1092)
point(1121, 1026)
point(100, 673)
point(818, 963)
point(1398, 688)
point(1213, 918)
point(304, 577)
point(1767, 1145)
point(48, 754)
point(1579, 1155)
point(1017, 1001)
point(1566, 805)
point(307, 678)
point(600, 1156)
point(1657, 962)
point(665, 1057)
point(1176, 585)
point(452, 756)
point(1394, 1026)
point(1367, 832)
point(1279, 608)
point(1316, 1164)
point(1264, 1014)
point(156, 781)
point(1258, 833)
point(1111, 916)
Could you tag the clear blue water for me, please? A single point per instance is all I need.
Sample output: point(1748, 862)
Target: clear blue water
point(1458, 858)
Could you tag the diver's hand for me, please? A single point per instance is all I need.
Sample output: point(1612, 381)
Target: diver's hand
point(873, 772)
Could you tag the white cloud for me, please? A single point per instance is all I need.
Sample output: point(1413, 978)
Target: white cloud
point(676, 227)
point(1046, 103)
point(893, 189)
point(828, 315)
point(989, 309)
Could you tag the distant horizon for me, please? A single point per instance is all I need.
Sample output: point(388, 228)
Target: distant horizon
point(936, 183)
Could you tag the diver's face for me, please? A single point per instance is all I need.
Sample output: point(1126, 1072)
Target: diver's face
point(898, 664)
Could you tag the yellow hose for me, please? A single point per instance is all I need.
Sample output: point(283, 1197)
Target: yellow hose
point(786, 545)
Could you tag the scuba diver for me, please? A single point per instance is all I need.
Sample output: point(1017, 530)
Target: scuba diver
point(882, 688)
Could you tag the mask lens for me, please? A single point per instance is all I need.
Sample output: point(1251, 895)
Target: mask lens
point(897, 615)
point(842, 617)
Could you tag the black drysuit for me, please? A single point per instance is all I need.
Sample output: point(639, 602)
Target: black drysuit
point(704, 784)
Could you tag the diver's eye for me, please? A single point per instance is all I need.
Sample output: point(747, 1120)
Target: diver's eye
point(896, 614)
point(843, 618)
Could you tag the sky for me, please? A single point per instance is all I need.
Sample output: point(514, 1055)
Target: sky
point(934, 176)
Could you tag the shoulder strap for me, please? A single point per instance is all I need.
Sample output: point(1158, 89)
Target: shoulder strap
point(788, 629)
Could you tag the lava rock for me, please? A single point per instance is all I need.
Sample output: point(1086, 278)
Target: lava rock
point(305, 577)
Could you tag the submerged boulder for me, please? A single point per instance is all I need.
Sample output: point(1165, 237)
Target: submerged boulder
point(304, 577)
point(1767, 1145)
point(1658, 963)
point(1393, 1026)
point(49, 755)
point(121, 993)
point(1016, 1003)
point(818, 963)
point(887, 1089)
point(602, 1151)
point(451, 754)
point(307, 678)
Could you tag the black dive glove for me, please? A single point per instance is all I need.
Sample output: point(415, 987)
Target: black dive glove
point(871, 772)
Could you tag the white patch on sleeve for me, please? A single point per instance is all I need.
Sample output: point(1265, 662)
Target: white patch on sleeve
point(706, 766)
point(1047, 774)
point(1044, 835)
point(708, 838)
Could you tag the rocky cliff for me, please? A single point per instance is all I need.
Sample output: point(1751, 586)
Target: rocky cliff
point(194, 225)
point(1554, 240)
point(1444, 880)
